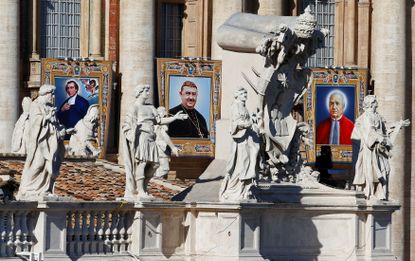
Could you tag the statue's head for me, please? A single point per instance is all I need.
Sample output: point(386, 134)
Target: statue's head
point(370, 103)
point(306, 24)
point(241, 94)
point(47, 93)
point(142, 90)
point(162, 111)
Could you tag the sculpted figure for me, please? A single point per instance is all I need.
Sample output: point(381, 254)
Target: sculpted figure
point(80, 143)
point(242, 168)
point(21, 128)
point(165, 146)
point(45, 148)
point(140, 149)
point(376, 140)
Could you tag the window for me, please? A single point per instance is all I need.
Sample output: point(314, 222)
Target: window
point(60, 25)
point(171, 25)
point(323, 10)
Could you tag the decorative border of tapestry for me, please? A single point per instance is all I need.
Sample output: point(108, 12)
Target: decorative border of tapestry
point(94, 80)
point(193, 87)
point(335, 94)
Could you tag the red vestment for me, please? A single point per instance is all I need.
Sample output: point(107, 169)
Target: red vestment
point(346, 128)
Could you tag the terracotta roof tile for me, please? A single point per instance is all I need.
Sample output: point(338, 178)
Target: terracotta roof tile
point(89, 180)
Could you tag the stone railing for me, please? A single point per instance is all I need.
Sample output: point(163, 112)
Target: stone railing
point(98, 231)
point(16, 228)
point(308, 229)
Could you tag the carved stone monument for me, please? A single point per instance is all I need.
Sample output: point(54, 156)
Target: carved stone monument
point(242, 167)
point(165, 146)
point(80, 143)
point(375, 140)
point(140, 148)
point(280, 85)
point(45, 148)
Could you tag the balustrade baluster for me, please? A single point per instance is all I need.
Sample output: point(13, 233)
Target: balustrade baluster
point(121, 227)
point(77, 233)
point(107, 227)
point(18, 231)
point(114, 231)
point(100, 233)
point(70, 233)
point(91, 233)
point(25, 232)
point(3, 234)
point(130, 219)
point(84, 235)
point(10, 238)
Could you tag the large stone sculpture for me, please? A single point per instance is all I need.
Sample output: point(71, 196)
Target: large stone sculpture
point(45, 148)
point(165, 146)
point(80, 143)
point(242, 168)
point(141, 155)
point(376, 140)
point(280, 84)
point(21, 128)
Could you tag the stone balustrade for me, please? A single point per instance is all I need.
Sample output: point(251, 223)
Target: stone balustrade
point(328, 226)
point(16, 228)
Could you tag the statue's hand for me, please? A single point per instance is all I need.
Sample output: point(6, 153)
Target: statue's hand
point(70, 131)
point(405, 123)
point(175, 151)
point(180, 116)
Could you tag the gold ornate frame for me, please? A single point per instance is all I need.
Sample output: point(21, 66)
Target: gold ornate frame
point(101, 70)
point(166, 68)
point(333, 78)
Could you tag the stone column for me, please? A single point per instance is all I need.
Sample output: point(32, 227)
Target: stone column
point(350, 33)
point(389, 73)
point(137, 48)
point(222, 10)
point(96, 25)
point(272, 7)
point(9, 70)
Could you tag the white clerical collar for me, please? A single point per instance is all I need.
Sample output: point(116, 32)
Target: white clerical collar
point(71, 100)
point(338, 119)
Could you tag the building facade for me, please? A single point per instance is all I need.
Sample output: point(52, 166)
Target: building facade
point(374, 34)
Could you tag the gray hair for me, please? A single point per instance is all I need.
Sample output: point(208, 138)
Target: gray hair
point(339, 94)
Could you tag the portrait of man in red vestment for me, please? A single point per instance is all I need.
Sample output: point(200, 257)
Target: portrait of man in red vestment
point(337, 128)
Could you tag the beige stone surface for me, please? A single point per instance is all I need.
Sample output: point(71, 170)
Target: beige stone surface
point(9, 70)
point(137, 49)
point(389, 75)
point(272, 7)
point(222, 10)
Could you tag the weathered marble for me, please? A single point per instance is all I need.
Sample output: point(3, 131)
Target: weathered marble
point(376, 140)
point(139, 144)
point(45, 148)
point(81, 142)
point(21, 128)
point(243, 165)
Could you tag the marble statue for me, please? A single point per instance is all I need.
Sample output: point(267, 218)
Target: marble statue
point(280, 84)
point(242, 167)
point(21, 128)
point(141, 154)
point(165, 146)
point(376, 140)
point(80, 143)
point(45, 148)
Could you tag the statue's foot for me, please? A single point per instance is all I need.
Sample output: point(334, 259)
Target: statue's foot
point(144, 196)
